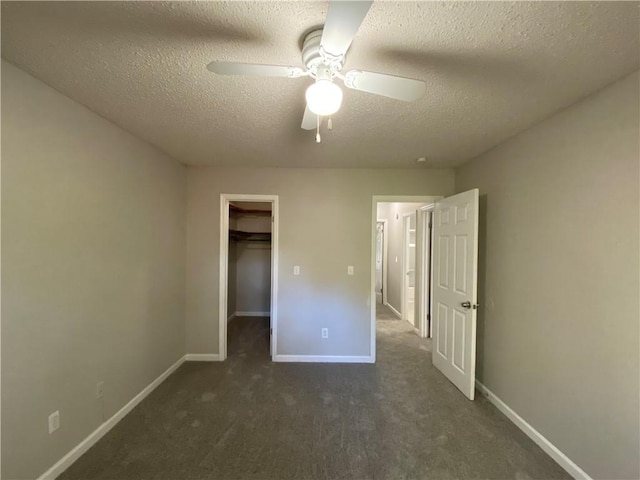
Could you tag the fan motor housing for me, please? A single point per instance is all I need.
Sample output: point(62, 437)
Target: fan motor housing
point(313, 55)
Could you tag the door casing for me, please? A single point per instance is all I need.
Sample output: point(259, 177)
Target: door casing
point(225, 198)
point(404, 301)
point(423, 281)
point(385, 250)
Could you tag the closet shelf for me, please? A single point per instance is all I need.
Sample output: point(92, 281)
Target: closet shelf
point(240, 236)
point(239, 211)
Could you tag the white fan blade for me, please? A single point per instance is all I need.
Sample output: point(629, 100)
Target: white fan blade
point(342, 24)
point(309, 120)
point(232, 68)
point(400, 88)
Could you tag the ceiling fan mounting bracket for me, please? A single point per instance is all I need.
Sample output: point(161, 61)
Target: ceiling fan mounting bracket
point(314, 56)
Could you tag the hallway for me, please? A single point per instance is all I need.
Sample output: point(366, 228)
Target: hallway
point(383, 312)
point(250, 418)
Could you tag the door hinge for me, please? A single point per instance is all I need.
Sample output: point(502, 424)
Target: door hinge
point(271, 331)
point(428, 317)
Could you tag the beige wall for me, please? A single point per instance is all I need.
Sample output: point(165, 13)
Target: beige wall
point(558, 334)
point(93, 270)
point(325, 225)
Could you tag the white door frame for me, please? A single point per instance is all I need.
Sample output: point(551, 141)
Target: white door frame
point(423, 255)
point(385, 224)
point(404, 310)
point(374, 218)
point(225, 198)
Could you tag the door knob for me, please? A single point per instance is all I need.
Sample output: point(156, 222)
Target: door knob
point(468, 305)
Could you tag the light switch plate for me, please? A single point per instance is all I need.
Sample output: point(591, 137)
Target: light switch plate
point(350, 270)
point(296, 270)
point(54, 421)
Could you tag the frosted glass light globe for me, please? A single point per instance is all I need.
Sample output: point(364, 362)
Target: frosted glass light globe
point(324, 97)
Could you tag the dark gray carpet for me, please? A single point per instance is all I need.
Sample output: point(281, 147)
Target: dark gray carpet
point(250, 418)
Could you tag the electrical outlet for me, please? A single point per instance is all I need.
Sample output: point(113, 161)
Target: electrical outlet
point(325, 333)
point(296, 270)
point(350, 270)
point(100, 390)
point(54, 421)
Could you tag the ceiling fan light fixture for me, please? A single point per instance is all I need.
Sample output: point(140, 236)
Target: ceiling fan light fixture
point(324, 97)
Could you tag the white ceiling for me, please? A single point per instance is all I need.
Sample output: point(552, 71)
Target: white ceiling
point(492, 69)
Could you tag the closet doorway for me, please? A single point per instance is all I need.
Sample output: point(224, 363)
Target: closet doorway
point(248, 274)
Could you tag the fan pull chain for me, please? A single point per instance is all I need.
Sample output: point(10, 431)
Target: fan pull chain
point(318, 129)
point(329, 124)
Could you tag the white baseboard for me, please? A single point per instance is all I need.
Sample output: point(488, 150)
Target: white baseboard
point(252, 314)
point(395, 312)
point(66, 461)
point(550, 449)
point(323, 359)
point(202, 357)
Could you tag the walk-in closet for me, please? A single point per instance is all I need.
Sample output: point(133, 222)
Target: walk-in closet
point(249, 278)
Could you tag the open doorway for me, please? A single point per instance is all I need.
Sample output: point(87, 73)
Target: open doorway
point(446, 265)
point(402, 273)
point(405, 261)
point(248, 275)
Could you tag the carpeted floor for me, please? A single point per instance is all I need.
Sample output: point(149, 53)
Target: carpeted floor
point(250, 418)
point(385, 313)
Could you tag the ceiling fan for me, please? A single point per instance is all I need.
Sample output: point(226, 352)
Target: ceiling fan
point(323, 54)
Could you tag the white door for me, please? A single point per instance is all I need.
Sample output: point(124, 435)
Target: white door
point(454, 283)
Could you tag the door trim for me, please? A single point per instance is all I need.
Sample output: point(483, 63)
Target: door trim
point(225, 198)
point(375, 199)
point(423, 255)
point(404, 284)
point(385, 224)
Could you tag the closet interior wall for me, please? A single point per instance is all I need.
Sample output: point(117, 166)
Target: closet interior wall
point(249, 269)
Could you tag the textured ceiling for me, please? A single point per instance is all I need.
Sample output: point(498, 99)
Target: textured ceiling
point(492, 69)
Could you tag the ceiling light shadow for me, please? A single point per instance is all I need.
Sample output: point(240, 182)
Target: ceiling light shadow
point(474, 66)
point(183, 21)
